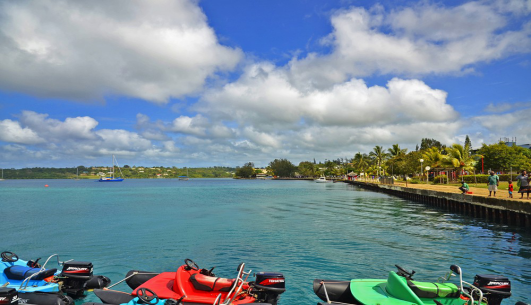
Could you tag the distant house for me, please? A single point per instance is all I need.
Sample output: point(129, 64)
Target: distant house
point(526, 146)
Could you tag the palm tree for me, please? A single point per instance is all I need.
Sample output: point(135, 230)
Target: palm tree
point(307, 169)
point(396, 151)
point(434, 157)
point(459, 158)
point(379, 156)
point(330, 167)
point(360, 162)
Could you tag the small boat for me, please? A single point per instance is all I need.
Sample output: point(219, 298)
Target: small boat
point(400, 289)
point(184, 178)
point(28, 280)
point(192, 285)
point(322, 179)
point(112, 178)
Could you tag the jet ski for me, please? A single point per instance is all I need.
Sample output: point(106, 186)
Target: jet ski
point(400, 289)
point(192, 285)
point(32, 283)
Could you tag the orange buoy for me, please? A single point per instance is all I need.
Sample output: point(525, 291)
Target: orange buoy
point(46, 185)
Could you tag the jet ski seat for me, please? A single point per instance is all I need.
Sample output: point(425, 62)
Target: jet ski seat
point(22, 272)
point(210, 283)
point(434, 290)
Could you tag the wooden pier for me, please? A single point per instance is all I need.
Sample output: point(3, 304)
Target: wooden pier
point(498, 210)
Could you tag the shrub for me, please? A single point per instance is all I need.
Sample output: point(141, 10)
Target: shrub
point(439, 179)
point(484, 178)
point(414, 181)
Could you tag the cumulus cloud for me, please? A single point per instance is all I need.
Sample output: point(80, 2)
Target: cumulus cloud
point(505, 106)
point(490, 128)
point(37, 138)
point(72, 128)
point(415, 40)
point(88, 50)
point(13, 132)
point(265, 98)
point(189, 125)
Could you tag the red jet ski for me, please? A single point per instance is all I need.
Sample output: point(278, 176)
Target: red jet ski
point(192, 285)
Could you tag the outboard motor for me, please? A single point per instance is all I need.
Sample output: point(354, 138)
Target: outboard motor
point(8, 296)
point(268, 287)
point(76, 277)
point(494, 287)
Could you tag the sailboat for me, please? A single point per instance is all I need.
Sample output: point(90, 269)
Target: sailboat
point(112, 178)
point(185, 178)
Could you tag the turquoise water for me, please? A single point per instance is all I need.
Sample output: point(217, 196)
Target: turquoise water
point(303, 229)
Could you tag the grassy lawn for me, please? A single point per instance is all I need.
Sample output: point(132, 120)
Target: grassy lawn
point(503, 185)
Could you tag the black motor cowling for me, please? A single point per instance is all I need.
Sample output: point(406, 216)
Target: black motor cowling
point(494, 287)
point(77, 269)
point(44, 298)
point(268, 287)
point(8, 296)
point(76, 277)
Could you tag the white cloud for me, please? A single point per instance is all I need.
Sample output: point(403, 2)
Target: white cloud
point(419, 40)
point(189, 125)
point(313, 107)
point(151, 50)
point(264, 98)
point(13, 132)
point(518, 7)
point(505, 106)
point(71, 129)
point(490, 128)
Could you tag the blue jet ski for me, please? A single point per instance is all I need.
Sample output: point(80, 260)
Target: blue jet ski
point(32, 283)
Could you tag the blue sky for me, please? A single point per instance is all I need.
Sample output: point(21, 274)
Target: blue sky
point(212, 83)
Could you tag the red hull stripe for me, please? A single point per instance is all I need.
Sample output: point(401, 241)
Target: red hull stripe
point(497, 287)
point(271, 281)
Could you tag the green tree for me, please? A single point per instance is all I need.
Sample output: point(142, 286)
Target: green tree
point(360, 162)
point(500, 156)
point(468, 145)
point(330, 167)
point(411, 163)
point(459, 158)
point(433, 157)
point(426, 143)
point(379, 156)
point(282, 167)
point(246, 171)
point(307, 169)
point(395, 151)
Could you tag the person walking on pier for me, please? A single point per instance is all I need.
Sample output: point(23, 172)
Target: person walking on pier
point(493, 183)
point(523, 183)
point(510, 188)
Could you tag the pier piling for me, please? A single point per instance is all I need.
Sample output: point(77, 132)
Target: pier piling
point(510, 212)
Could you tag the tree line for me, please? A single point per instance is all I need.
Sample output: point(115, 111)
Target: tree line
point(396, 161)
point(128, 172)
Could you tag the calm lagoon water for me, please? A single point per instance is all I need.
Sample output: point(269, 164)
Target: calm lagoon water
point(303, 229)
